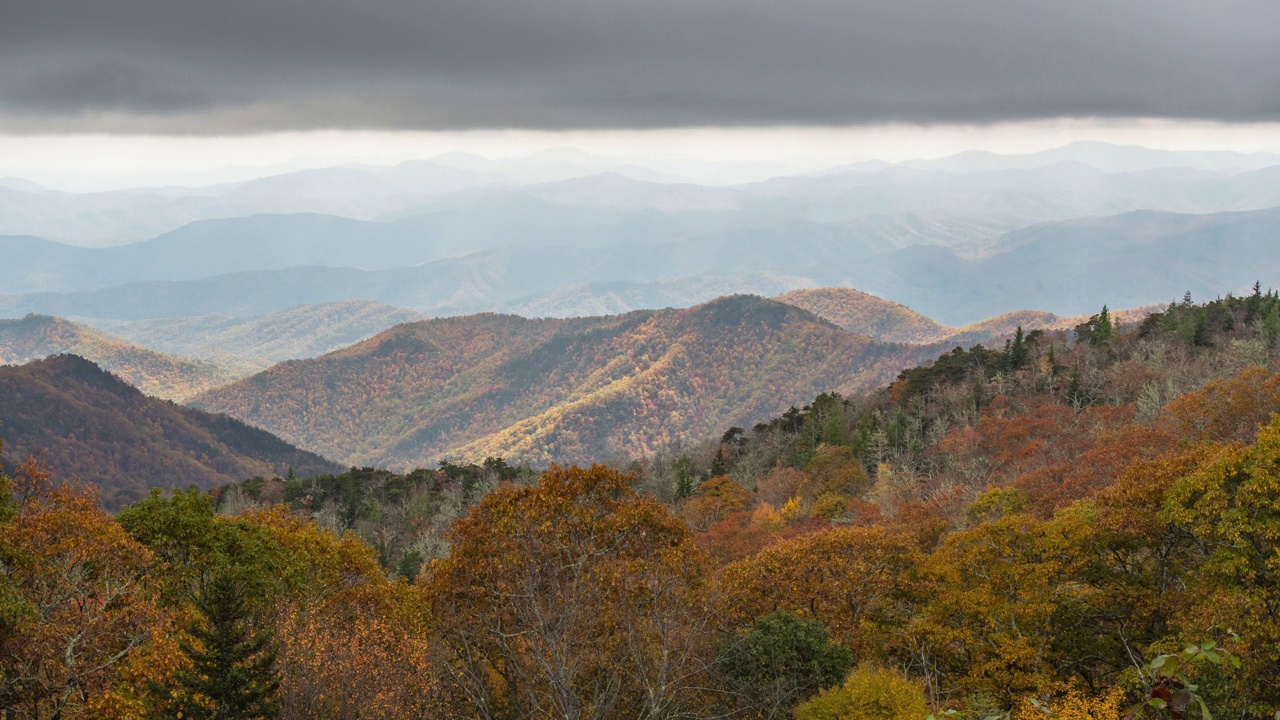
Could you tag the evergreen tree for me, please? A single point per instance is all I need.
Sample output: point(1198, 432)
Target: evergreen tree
point(833, 429)
point(1269, 326)
point(1253, 303)
point(1016, 353)
point(734, 437)
point(232, 675)
point(1199, 324)
point(685, 477)
point(782, 660)
point(719, 464)
point(410, 565)
point(1103, 332)
point(1075, 390)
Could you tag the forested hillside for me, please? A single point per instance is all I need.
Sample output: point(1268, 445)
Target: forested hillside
point(174, 378)
point(557, 390)
point(86, 424)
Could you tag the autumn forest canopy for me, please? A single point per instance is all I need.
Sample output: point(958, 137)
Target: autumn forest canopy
point(1072, 523)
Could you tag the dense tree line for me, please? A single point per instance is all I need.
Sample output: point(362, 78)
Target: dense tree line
point(405, 517)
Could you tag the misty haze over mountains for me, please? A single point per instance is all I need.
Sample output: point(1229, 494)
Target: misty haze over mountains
point(566, 233)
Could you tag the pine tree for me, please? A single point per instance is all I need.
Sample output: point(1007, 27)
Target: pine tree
point(1076, 394)
point(1269, 326)
point(979, 393)
point(1200, 336)
point(232, 675)
point(719, 464)
point(833, 429)
point(1253, 303)
point(684, 477)
point(1016, 352)
point(1104, 332)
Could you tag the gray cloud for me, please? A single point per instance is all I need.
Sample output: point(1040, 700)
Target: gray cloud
point(252, 65)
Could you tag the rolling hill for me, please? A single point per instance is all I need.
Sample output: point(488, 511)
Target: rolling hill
point(563, 390)
point(91, 425)
point(174, 378)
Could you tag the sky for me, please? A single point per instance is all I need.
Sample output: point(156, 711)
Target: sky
point(186, 89)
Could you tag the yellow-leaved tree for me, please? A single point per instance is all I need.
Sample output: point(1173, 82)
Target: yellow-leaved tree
point(869, 693)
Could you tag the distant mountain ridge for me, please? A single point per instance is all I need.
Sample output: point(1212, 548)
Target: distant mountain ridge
point(301, 332)
point(366, 192)
point(562, 390)
point(1108, 157)
point(885, 320)
point(90, 425)
point(1133, 259)
point(361, 192)
point(35, 337)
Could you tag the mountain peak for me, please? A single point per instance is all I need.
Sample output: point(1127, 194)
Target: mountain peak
point(741, 309)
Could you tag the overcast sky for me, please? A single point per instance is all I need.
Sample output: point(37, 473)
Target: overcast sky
point(104, 86)
point(261, 65)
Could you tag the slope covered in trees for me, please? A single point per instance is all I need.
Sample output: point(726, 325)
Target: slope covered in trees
point(556, 390)
point(174, 378)
point(88, 424)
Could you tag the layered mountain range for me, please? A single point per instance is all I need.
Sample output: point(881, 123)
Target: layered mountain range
point(958, 239)
point(572, 308)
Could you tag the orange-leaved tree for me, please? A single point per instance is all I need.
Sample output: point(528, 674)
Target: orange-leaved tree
point(80, 580)
point(365, 653)
point(573, 598)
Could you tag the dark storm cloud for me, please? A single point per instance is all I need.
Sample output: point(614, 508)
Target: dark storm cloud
point(249, 65)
